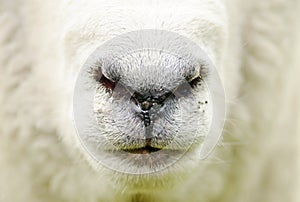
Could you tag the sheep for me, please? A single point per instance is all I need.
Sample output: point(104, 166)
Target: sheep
point(45, 45)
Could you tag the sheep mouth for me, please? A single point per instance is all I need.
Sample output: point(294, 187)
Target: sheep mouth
point(142, 150)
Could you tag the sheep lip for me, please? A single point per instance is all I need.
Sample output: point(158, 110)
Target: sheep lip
point(142, 150)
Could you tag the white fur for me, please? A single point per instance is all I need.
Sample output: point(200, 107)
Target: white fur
point(254, 44)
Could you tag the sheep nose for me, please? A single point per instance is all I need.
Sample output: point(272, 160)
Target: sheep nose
point(146, 105)
point(148, 110)
point(149, 106)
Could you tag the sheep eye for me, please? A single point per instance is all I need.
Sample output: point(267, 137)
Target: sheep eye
point(184, 89)
point(107, 83)
point(193, 83)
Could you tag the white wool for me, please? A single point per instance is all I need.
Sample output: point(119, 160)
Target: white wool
point(255, 46)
